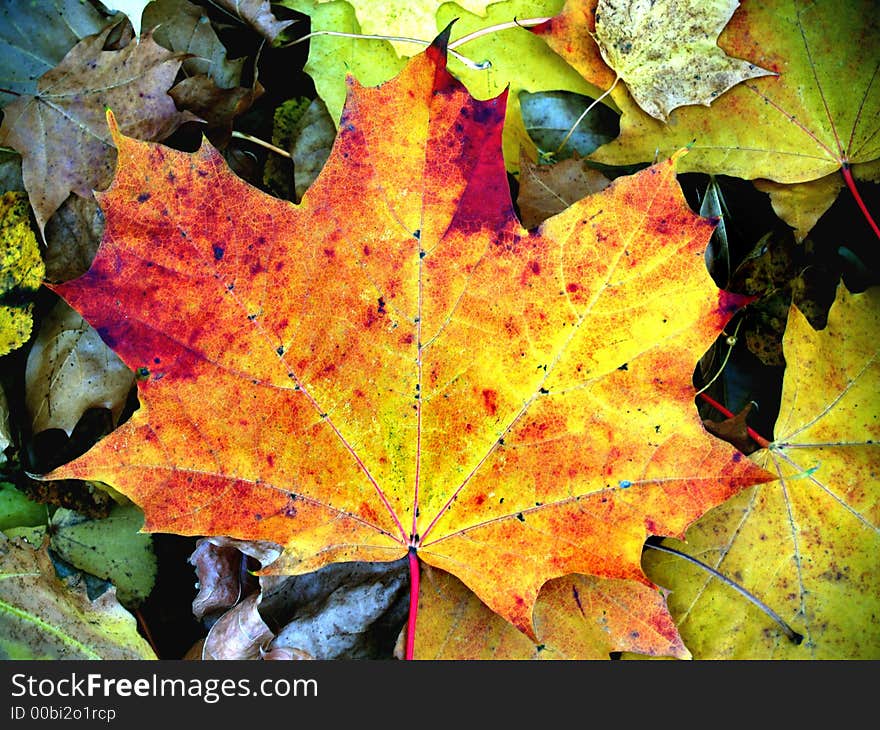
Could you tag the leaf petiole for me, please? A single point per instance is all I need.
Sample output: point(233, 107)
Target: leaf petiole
point(792, 635)
point(515, 23)
point(413, 604)
point(583, 115)
point(851, 184)
point(476, 66)
point(262, 143)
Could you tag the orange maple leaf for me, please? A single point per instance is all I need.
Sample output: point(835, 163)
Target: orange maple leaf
point(397, 366)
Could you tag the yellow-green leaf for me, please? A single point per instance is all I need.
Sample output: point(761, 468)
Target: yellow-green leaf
point(43, 617)
point(21, 270)
point(807, 544)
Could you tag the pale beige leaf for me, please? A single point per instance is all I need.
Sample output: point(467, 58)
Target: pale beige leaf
point(69, 370)
point(666, 51)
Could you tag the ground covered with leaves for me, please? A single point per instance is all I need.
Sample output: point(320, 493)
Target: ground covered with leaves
point(508, 330)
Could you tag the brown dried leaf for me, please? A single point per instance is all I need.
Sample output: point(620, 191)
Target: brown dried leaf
point(215, 105)
point(240, 633)
point(61, 132)
point(545, 190)
point(218, 570)
point(180, 26)
point(734, 430)
point(338, 612)
point(257, 14)
point(73, 235)
point(69, 370)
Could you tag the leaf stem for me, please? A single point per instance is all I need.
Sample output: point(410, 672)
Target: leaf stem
point(756, 437)
point(262, 143)
point(413, 604)
point(146, 631)
point(584, 114)
point(476, 66)
point(528, 22)
point(731, 341)
point(792, 635)
point(851, 184)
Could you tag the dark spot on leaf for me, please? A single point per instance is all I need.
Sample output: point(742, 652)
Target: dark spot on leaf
point(520, 517)
point(218, 251)
point(490, 401)
point(143, 197)
point(625, 366)
point(577, 599)
point(105, 335)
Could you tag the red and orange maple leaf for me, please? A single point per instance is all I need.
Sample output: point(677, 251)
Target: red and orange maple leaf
point(396, 365)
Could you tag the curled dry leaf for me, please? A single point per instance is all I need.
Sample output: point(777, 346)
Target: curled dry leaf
point(285, 654)
point(667, 53)
point(343, 611)
point(217, 106)
point(240, 633)
point(218, 571)
point(44, 617)
point(69, 370)
point(257, 14)
point(183, 27)
point(61, 131)
point(734, 430)
point(21, 271)
point(263, 551)
point(211, 90)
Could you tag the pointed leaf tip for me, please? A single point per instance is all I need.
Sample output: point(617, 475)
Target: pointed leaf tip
point(438, 49)
point(114, 127)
